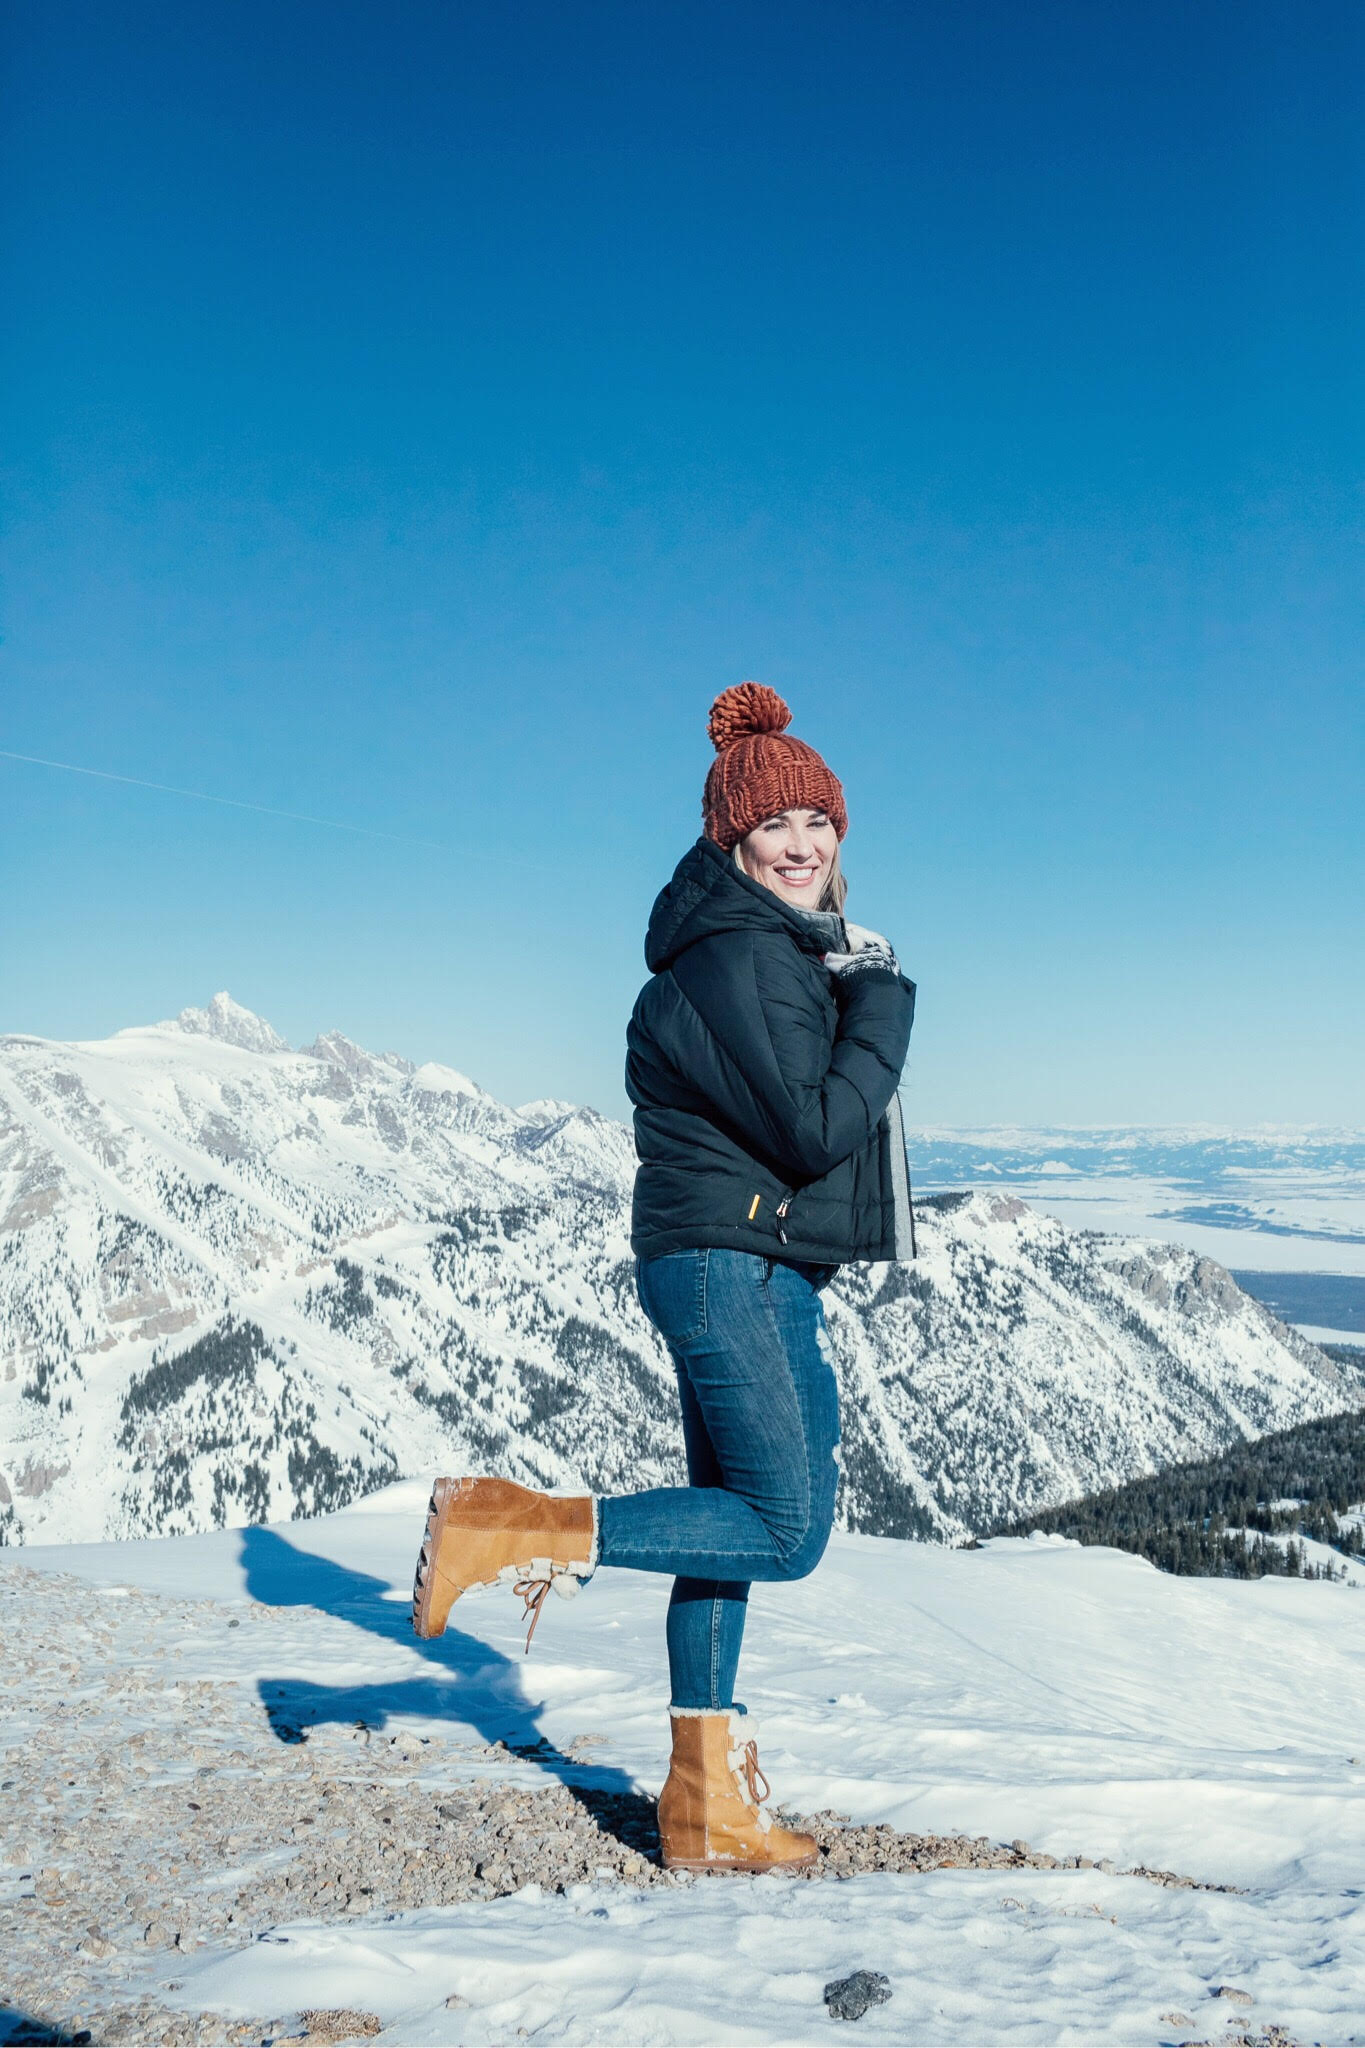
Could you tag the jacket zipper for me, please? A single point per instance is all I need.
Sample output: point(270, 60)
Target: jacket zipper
point(895, 1136)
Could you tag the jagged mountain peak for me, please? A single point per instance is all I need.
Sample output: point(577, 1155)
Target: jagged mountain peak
point(231, 1024)
point(340, 1051)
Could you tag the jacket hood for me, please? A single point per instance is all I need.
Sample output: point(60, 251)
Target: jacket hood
point(711, 893)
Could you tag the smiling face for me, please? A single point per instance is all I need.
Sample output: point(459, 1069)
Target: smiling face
point(793, 854)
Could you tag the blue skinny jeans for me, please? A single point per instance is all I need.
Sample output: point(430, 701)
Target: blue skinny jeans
point(760, 1413)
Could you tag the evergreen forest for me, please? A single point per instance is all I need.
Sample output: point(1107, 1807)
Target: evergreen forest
point(1229, 1516)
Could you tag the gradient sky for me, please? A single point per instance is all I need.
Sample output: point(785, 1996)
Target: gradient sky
point(416, 412)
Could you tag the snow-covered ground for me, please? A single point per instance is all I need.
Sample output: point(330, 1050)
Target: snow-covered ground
point(1074, 1698)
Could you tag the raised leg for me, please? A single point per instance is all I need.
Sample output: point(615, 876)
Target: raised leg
point(750, 1344)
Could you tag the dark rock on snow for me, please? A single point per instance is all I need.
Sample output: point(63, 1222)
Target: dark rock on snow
point(848, 1998)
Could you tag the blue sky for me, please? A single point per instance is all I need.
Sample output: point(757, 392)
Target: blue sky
point(417, 413)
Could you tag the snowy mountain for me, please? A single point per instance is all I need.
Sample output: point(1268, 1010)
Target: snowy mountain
point(239, 1281)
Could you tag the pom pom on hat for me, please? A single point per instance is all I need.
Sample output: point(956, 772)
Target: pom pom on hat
point(744, 709)
point(760, 768)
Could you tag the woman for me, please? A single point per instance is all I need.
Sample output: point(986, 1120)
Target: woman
point(763, 1059)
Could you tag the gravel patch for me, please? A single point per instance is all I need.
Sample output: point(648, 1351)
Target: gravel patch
point(849, 1851)
point(144, 1816)
point(339, 2023)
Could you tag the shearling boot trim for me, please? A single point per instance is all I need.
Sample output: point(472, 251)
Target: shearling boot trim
point(742, 1758)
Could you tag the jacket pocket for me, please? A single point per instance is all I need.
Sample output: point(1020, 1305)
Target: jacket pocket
point(672, 1292)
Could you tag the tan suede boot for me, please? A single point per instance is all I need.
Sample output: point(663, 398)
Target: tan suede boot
point(709, 1812)
point(481, 1532)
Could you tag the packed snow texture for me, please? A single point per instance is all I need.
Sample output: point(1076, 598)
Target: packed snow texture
point(1075, 1700)
point(239, 1282)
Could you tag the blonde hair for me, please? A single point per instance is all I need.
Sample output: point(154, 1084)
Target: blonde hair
point(834, 893)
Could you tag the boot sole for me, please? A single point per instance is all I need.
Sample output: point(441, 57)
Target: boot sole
point(757, 1868)
point(424, 1578)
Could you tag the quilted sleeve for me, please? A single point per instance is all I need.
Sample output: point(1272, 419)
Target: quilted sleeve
point(764, 1057)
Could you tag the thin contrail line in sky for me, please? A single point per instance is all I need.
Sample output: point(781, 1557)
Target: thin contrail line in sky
point(233, 803)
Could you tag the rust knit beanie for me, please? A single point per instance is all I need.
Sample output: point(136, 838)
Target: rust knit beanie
point(760, 769)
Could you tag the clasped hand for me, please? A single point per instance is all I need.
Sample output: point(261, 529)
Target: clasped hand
point(866, 949)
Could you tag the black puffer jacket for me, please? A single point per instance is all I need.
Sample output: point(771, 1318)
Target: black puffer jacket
point(761, 1085)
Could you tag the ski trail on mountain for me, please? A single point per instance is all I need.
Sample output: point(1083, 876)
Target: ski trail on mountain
point(984, 1650)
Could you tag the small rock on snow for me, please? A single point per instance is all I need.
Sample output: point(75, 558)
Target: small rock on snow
point(848, 1998)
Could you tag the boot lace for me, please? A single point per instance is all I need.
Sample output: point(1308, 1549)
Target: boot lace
point(533, 1593)
point(754, 1776)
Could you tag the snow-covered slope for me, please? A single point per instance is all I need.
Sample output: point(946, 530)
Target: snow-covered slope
point(238, 1281)
point(1077, 1700)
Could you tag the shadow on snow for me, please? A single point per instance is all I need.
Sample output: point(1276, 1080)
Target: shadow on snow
point(25, 2031)
point(470, 1682)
